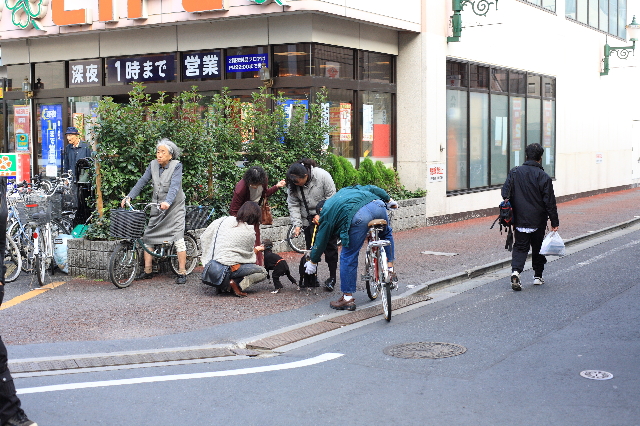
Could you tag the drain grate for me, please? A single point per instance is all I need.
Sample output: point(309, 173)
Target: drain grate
point(428, 350)
point(596, 375)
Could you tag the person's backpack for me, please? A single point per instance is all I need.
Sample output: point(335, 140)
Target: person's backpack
point(505, 219)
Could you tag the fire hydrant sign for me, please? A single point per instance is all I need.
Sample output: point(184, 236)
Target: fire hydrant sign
point(436, 172)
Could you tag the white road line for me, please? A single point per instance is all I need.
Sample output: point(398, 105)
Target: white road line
point(152, 379)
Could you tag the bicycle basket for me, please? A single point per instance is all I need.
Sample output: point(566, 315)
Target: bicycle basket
point(197, 217)
point(36, 209)
point(127, 224)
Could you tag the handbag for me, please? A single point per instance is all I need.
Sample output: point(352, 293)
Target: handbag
point(215, 273)
point(266, 218)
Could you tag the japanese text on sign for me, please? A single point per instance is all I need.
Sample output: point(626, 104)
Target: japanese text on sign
point(436, 173)
point(85, 73)
point(140, 69)
point(201, 65)
point(244, 63)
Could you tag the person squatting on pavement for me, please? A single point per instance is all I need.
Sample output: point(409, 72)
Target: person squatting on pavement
point(347, 214)
point(165, 172)
point(530, 191)
point(10, 412)
point(307, 186)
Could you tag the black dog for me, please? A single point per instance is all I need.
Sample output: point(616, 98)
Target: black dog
point(279, 266)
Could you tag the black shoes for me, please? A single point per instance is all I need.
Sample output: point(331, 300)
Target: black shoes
point(145, 276)
point(515, 281)
point(20, 419)
point(182, 279)
point(330, 284)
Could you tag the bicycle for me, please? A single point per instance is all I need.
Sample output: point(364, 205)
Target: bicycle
point(377, 277)
point(37, 212)
point(298, 242)
point(12, 261)
point(125, 259)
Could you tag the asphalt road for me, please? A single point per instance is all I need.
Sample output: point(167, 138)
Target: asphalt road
point(524, 355)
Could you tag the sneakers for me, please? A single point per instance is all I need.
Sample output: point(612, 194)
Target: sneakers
point(538, 281)
point(341, 305)
point(145, 276)
point(515, 281)
point(330, 284)
point(20, 419)
point(182, 279)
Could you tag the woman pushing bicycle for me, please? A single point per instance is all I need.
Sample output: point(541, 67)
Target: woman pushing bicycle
point(166, 223)
point(347, 215)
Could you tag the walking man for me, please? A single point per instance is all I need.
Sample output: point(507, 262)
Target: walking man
point(530, 192)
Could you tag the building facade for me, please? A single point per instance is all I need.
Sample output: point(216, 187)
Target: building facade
point(452, 116)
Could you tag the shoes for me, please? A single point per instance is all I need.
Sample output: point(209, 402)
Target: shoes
point(341, 305)
point(538, 281)
point(276, 291)
point(20, 419)
point(145, 276)
point(236, 289)
point(182, 279)
point(515, 281)
point(330, 284)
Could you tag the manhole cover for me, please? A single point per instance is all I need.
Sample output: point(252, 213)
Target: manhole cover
point(431, 350)
point(596, 375)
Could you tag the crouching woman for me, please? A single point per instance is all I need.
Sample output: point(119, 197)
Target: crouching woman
point(231, 241)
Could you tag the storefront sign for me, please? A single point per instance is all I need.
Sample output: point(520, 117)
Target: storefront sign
point(436, 172)
point(247, 63)
point(345, 122)
point(516, 123)
point(547, 120)
point(22, 127)
point(85, 73)
point(141, 69)
point(51, 128)
point(26, 13)
point(201, 65)
point(367, 123)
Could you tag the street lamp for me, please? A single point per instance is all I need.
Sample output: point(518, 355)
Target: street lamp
point(26, 88)
point(633, 30)
point(480, 8)
point(265, 76)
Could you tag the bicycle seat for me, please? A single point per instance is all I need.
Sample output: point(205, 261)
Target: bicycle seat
point(377, 222)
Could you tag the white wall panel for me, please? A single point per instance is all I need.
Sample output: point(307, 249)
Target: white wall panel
point(83, 46)
point(15, 52)
point(138, 41)
point(221, 34)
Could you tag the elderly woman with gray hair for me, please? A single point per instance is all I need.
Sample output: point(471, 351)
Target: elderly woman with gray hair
point(165, 172)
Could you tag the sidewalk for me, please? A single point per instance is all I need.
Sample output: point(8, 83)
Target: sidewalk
point(84, 316)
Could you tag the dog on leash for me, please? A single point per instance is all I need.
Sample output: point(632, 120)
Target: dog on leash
point(279, 266)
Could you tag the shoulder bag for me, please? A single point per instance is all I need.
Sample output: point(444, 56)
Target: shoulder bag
point(215, 273)
point(266, 217)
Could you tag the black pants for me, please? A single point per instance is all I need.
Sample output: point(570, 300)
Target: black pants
point(330, 253)
point(521, 246)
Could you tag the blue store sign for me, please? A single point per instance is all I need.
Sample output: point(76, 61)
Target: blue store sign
point(247, 63)
point(51, 128)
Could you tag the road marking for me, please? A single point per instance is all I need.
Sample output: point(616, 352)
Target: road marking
point(289, 365)
point(31, 294)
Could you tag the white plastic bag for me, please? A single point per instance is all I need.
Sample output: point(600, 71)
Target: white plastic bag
point(60, 252)
point(552, 245)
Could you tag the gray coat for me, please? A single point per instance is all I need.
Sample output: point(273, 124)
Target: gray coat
point(319, 187)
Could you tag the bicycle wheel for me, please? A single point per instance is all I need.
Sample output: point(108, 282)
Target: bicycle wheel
point(12, 261)
point(58, 227)
point(298, 243)
point(40, 263)
point(23, 239)
point(192, 255)
point(383, 275)
point(370, 272)
point(123, 264)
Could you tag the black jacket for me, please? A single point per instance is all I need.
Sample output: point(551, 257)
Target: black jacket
point(530, 191)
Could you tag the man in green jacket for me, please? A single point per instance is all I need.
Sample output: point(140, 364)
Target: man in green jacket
point(347, 214)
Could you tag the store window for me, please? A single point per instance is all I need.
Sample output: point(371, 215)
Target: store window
point(375, 67)
point(82, 114)
point(19, 126)
point(489, 124)
point(245, 62)
point(292, 60)
point(609, 16)
point(50, 75)
point(341, 121)
point(332, 61)
point(16, 75)
point(375, 127)
point(545, 4)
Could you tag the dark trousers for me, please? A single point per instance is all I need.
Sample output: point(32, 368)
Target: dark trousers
point(9, 402)
point(521, 246)
point(330, 253)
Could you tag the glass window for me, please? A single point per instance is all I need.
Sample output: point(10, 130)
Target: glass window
point(375, 126)
point(499, 138)
point(456, 140)
point(375, 66)
point(613, 16)
point(341, 120)
point(243, 52)
point(570, 9)
point(499, 80)
point(332, 62)
point(549, 87)
point(479, 77)
point(593, 13)
point(533, 121)
point(517, 135)
point(622, 19)
point(81, 111)
point(19, 125)
point(582, 11)
point(533, 85)
point(50, 75)
point(292, 60)
point(478, 140)
point(457, 74)
point(16, 75)
point(517, 83)
point(604, 15)
point(549, 4)
point(549, 136)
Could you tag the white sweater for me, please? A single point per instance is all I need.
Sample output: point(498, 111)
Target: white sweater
point(234, 243)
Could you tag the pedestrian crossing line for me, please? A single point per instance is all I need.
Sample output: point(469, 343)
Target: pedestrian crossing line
point(152, 379)
point(30, 294)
